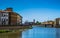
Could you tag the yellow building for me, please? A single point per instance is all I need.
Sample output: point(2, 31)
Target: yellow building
point(48, 22)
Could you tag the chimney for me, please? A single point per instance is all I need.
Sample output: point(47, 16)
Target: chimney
point(9, 9)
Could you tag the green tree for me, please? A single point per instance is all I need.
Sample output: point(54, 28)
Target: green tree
point(37, 22)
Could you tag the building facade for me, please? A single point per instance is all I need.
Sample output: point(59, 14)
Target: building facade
point(8, 17)
point(4, 18)
point(48, 22)
point(57, 22)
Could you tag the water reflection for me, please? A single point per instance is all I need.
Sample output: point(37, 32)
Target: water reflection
point(39, 32)
point(35, 32)
point(57, 32)
point(11, 35)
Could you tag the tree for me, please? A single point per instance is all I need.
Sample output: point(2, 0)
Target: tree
point(37, 22)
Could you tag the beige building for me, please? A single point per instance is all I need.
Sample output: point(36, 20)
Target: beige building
point(57, 22)
point(48, 22)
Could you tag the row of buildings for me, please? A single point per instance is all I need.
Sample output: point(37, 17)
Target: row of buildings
point(9, 17)
point(56, 22)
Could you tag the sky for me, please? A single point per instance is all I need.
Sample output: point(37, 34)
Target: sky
point(40, 10)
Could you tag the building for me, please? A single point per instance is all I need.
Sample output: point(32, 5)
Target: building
point(48, 22)
point(44, 23)
point(28, 23)
point(34, 20)
point(57, 22)
point(9, 17)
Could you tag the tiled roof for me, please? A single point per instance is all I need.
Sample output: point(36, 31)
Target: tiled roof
point(10, 11)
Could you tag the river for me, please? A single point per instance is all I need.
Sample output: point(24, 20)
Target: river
point(35, 32)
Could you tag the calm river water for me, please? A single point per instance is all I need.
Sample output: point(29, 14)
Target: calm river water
point(35, 32)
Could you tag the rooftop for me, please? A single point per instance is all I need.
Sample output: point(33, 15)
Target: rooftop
point(10, 10)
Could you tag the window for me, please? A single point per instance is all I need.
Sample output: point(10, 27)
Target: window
point(5, 14)
point(0, 14)
point(4, 17)
point(4, 21)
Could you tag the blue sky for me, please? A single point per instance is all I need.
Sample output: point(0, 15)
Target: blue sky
point(41, 10)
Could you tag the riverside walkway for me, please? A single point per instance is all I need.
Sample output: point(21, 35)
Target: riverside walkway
point(14, 27)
